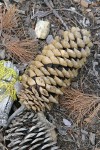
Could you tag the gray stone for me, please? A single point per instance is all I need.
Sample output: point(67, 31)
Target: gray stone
point(2, 54)
point(49, 39)
point(92, 138)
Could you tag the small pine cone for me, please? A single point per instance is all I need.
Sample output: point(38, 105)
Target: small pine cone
point(30, 131)
point(58, 63)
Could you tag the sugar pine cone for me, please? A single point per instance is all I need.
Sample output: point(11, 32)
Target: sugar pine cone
point(58, 63)
point(30, 131)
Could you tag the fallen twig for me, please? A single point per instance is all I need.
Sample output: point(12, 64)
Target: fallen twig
point(55, 13)
point(71, 10)
point(40, 14)
point(21, 109)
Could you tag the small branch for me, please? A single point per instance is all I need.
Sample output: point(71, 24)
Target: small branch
point(71, 10)
point(21, 109)
point(55, 13)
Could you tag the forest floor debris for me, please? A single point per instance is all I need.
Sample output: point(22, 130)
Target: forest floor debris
point(61, 15)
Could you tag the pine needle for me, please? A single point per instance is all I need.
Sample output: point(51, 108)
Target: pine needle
point(10, 18)
point(80, 105)
point(24, 50)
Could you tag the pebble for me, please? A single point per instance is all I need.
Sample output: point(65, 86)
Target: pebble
point(18, 86)
point(62, 130)
point(2, 54)
point(84, 132)
point(92, 138)
point(49, 39)
point(88, 10)
point(83, 138)
point(98, 21)
point(75, 85)
point(76, 1)
point(32, 33)
point(84, 3)
point(42, 29)
point(67, 122)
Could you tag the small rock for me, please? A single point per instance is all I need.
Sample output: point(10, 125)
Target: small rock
point(22, 67)
point(77, 1)
point(84, 3)
point(2, 54)
point(92, 138)
point(88, 10)
point(84, 132)
point(60, 32)
point(73, 8)
point(66, 122)
point(32, 33)
point(49, 39)
point(18, 86)
point(42, 29)
point(1, 3)
point(83, 138)
point(97, 20)
point(75, 85)
point(62, 130)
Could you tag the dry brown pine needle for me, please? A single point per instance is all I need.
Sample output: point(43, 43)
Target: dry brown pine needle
point(24, 50)
point(80, 105)
point(10, 18)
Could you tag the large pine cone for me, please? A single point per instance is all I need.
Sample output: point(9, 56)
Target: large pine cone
point(30, 131)
point(54, 68)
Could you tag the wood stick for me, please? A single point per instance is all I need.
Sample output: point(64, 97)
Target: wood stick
point(56, 14)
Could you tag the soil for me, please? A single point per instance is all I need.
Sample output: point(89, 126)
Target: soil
point(88, 80)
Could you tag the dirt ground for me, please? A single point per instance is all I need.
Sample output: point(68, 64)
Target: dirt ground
point(88, 80)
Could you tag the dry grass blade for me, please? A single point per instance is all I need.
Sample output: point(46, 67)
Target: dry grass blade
point(80, 105)
point(24, 50)
point(10, 18)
